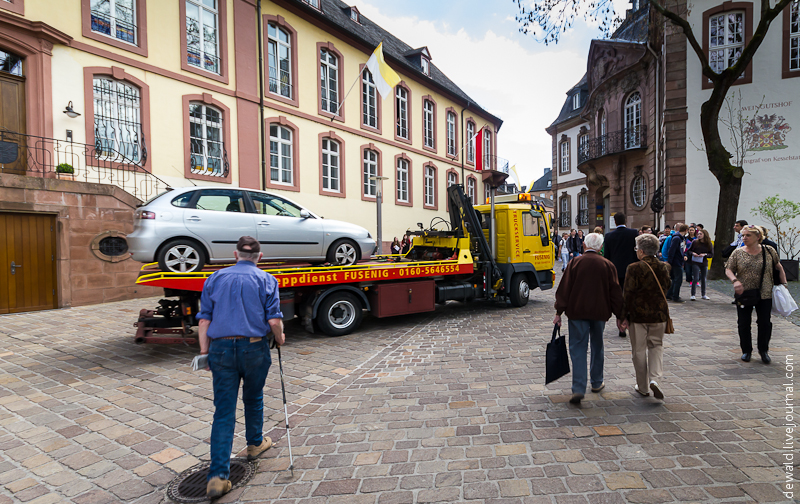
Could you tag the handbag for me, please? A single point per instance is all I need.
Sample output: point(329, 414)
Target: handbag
point(556, 357)
point(751, 297)
point(669, 328)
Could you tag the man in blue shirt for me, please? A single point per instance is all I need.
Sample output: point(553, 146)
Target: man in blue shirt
point(239, 307)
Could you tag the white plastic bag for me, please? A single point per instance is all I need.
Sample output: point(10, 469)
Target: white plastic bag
point(782, 302)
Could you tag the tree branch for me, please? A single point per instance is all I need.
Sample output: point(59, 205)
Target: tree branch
point(677, 20)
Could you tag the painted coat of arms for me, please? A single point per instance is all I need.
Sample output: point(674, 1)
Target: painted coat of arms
point(766, 132)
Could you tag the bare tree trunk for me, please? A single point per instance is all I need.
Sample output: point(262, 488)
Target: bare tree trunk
point(727, 206)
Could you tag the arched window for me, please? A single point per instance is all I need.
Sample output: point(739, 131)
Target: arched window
point(470, 142)
point(565, 216)
point(451, 134)
point(369, 101)
point(430, 186)
point(471, 190)
point(726, 40)
point(602, 131)
point(206, 140)
point(429, 139)
point(402, 180)
point(633, 121)
point(401, 109)
point(370, 170)
point(488, 158)
point(117, 119)
point(452, 178)
point(639, 191)
point(281, 155)
point(280, 63)
point(330, 165)
point(329, 81)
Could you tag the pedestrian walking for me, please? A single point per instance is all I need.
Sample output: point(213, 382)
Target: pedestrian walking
point(675, 258)
point(749, 268)
point(646, 312)
point(738, 240)
point(239, 308)
point(619, 249)
point(687, 264)
point(564, 251)
point(572, 245)
point(698, 253)
point(589, 293)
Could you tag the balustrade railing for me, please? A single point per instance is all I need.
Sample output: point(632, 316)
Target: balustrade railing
point(31, 155)
point(613, 143)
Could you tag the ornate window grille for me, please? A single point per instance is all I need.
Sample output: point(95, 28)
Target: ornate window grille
point(639, 191)
point(633, 120)
point(281, 159)
point(470, 142)
point(401, 97)
point(451, 134)
point(115, 18)
point(209, 156)
point(369, 103)
point(402, 180)
point(202, 34)
point(330, 165)
point(10, 63)
point(583, 210)
point(430, 186)
point(583, 151)
point(726, 40)
point(794, 35)
point(370, 170)
point(117, 123)
point(471, 190)
point(280, 63)
point(427, 124)
point(565, 215)
point(329, 81)
point(452, 179)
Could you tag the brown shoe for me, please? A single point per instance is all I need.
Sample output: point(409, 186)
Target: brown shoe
point(255, 450)
point(217, 487)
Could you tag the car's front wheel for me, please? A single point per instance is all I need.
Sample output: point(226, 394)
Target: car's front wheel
point(181, 256)
point(343, 253)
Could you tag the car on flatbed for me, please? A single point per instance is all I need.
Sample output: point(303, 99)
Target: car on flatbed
point(185, 229)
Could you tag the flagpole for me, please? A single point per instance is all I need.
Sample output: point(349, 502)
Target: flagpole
point(358, 77)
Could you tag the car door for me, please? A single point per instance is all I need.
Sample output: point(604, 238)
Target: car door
point(536, 247)
point(219, 218)
point(283, 232)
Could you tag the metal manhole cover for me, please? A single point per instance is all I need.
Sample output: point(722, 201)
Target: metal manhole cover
point(190, 485)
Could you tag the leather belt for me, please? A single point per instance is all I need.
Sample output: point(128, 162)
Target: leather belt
point(241, 337)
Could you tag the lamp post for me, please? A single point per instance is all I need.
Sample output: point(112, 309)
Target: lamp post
point(379, 199)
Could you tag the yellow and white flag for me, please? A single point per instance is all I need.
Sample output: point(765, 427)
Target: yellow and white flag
point(385, 78)
point(515, 176)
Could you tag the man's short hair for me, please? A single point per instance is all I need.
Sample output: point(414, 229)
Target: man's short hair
point(594, 241)
point(648, 244)
point(701, 226)
point(619, 219)
point(645, 228)
point(741, 222)
point(683, 228)
point(667, 226)
point(248, 244)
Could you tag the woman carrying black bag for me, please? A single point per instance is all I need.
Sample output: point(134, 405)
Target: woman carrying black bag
point(750, 268)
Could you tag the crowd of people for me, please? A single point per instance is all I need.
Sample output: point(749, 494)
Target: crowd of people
point(634, 274)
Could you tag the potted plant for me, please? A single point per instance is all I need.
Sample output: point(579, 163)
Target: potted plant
point(779, 212)
point(65, 171)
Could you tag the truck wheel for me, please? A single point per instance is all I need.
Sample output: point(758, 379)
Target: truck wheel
point(339, 314)
point(181, 256)
point(343, 253)
point(520, 290)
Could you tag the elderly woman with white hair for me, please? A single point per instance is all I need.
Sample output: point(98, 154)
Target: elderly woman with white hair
point(588, 293)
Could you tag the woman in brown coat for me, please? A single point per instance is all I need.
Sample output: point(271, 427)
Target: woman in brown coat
point(646, 311)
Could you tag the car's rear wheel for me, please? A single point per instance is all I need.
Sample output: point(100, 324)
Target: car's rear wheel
point(340, 313)
point(343, 253)
point(181, 256)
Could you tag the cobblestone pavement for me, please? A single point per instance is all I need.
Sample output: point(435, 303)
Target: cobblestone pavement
point(449, 406)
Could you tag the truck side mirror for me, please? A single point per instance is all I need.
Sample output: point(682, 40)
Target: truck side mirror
point(545, 239)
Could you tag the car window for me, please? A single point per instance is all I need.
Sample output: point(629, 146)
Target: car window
point(183, 200)
point(267, 204)
point(220, 200)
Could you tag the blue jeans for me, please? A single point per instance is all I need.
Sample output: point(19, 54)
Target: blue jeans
point(581, 333)
point(232, 361)
point(674, 291)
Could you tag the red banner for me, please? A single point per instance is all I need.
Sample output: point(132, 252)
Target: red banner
point(479, 151)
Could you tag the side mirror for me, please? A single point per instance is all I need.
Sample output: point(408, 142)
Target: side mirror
point(305, 214)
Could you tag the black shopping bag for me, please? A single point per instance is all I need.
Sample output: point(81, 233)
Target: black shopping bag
point(557, 360)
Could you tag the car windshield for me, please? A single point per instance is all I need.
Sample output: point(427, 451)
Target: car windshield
point(268, 204)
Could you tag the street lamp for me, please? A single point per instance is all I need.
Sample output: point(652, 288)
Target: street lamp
point(378, 199)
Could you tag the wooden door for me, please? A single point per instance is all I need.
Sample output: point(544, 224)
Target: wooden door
point(12, 120)
point(29, 242)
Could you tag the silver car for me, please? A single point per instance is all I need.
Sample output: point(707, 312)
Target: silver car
point(184, 229)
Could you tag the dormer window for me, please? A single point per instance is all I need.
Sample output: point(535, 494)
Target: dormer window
point(312, 3)
point(354, 15)
point(576, 101)
point(425, 64)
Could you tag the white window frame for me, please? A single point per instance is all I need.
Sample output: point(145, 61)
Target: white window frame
point(429, 139)
point(205, 143)
point(430, 186)
point(565, 212)
point(723, 52)
point(115, 131)
point(402, 180)
point(564, 156)
point(794, 35)
point(312, 3)
point(583, 205)
point(639, 191)
point(470, 142)
point(451, 134)
point(452, 179)
point(205, 13)
point(329, 81)
point(576, 101)
point(401, 107)
point(370, 169)
point(487, 150)
point(331, 168)
point(285, 176)
point(425, 65)
point(633, 120)
point(487, 192)
point(369, 101)
point(113, 20)
point(276, 74)
point(471, 190)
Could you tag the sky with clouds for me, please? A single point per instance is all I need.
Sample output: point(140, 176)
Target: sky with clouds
point(477, 44)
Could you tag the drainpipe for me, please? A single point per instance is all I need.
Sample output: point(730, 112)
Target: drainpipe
point(260, 28)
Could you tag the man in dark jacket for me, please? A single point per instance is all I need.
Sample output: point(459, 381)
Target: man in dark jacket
point(675, 258)
point(589, 293)
point(619, 249)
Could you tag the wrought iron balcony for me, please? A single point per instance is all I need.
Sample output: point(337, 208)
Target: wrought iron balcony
point(31, 155)
point(613, 143)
